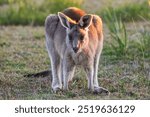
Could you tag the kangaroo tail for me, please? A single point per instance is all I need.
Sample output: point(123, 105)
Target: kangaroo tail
point(40, 74)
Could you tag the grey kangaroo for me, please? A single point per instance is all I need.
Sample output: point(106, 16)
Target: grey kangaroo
point(74, 38)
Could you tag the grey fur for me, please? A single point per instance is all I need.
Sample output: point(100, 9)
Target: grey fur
point(66, 54)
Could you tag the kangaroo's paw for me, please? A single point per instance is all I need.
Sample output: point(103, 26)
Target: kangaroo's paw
point(57, 88)
point(101, 90)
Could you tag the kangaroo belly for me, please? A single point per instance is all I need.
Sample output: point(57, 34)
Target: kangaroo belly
point(81, 58)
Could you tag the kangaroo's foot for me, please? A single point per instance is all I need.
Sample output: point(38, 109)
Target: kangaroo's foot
point(57, 88)
point(101, 90)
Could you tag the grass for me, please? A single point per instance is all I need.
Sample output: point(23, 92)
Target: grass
point(16, 12)
point(119, 45)
point(143, 44)
point(124, 65)
point(128, 12)
point(31, 12)
point(23, 51)
point(118, 33)
point(2, 2)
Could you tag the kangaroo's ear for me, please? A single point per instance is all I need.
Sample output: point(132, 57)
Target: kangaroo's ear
point(65, 20)
point(86, 21)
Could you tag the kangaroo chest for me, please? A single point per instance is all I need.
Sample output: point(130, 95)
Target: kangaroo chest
point(81, 58)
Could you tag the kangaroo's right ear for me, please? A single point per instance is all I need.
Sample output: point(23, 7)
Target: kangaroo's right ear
point(65, 20)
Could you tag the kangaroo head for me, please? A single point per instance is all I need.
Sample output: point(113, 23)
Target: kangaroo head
point(77, 32)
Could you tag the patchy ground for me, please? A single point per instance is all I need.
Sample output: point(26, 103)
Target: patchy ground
point(22, 51)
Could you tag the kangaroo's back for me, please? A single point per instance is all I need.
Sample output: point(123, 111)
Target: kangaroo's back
point(74, 13)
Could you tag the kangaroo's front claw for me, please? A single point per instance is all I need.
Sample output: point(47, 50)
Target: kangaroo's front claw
point(101, 90)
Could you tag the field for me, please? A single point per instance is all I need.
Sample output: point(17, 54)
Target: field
point(124, 67)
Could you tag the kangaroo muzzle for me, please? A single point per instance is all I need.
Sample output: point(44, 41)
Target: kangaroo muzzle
point(75, 45)
point(75, 49)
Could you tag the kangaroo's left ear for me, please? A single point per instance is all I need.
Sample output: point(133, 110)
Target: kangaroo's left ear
point(85, 21)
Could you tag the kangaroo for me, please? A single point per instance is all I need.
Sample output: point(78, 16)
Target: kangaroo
point(74, 38)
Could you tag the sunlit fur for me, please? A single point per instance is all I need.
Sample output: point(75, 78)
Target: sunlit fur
point(74, 38)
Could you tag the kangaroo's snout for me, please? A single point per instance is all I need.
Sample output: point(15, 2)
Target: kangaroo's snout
point(75, 49)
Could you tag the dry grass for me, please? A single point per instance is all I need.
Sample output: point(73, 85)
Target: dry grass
point(23, 51)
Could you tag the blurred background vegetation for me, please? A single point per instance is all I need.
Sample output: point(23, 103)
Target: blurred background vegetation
point(14, 12)
point(31, 11)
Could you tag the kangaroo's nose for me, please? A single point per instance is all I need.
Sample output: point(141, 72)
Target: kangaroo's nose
point(75, 49)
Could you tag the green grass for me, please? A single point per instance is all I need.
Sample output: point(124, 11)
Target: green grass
point(128, 12)
point(2, 2)
point(121, 45)
point(30, 12)
point(16, 12)
point(23, 51)
point(118, 34)
point(124, 64)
